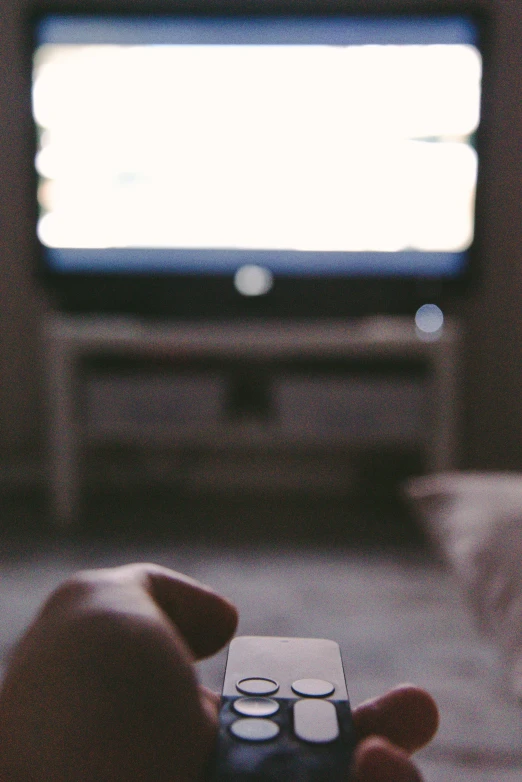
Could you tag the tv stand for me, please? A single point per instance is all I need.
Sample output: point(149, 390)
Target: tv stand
point(71, 339)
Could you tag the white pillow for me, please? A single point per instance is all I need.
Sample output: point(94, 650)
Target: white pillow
point(476, 520)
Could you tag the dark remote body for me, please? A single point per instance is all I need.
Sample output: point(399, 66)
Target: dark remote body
point(285, 713)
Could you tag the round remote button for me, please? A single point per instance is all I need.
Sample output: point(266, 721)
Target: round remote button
point(313, 688)
point(255, 729)
point(257, 686)
point(256, 707)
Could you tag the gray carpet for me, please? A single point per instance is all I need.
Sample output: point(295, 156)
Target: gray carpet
point(397, 618)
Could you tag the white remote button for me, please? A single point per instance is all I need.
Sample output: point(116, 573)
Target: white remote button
point(257, 686)
point(315, 721)
point(256, 707)
point(313, 688)
point(255, 729)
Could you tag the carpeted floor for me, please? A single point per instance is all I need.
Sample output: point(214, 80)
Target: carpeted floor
point(397, 616)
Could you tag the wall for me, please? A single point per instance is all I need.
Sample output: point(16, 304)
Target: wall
point(492, 360)
point(492, 316)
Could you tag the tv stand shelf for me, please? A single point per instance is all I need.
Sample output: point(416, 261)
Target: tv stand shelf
point(70, 340)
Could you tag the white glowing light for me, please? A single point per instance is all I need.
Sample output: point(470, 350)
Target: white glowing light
point(429, 319)
point(251, 280)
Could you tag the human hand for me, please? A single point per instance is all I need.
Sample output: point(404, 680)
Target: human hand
point(102, 687)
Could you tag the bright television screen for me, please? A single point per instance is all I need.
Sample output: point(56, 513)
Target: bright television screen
point(270, 146)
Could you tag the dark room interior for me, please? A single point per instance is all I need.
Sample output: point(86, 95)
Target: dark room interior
point(348, 475)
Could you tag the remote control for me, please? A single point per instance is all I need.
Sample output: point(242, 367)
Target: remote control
point(285, 713)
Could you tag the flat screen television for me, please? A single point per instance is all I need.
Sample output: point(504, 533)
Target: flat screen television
point(276, 159)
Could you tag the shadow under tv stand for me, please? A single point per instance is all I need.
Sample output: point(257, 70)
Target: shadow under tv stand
point(72, 339)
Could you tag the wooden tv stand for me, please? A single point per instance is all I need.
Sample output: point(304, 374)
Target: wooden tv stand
point(72, 339)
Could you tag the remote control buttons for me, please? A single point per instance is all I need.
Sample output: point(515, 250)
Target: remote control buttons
point(256, 707)
point(255, 729)
point(315, 721)
point(313, 688)
point(257, 686)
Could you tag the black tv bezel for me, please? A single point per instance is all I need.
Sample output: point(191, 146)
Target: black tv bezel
point(214, 296)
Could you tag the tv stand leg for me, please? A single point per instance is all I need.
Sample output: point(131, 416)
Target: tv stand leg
point(64, 447)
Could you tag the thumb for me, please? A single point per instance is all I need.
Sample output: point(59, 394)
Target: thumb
point(206, 620)
point(407, 716)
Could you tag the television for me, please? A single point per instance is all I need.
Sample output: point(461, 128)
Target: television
point(274, 159)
